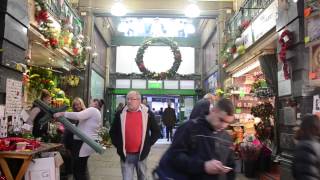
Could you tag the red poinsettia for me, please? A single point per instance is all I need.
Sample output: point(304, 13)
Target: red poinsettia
point(45, 81)
point(233, 49)
point(53, 42)
point(245, 24)
point(42, 16)
point(75, 51)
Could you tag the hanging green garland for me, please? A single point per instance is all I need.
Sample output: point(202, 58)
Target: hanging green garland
point(163, 75)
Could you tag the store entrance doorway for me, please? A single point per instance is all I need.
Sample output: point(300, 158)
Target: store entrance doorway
point(181, 104)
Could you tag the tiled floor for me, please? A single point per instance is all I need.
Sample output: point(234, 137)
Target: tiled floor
point(107, 166)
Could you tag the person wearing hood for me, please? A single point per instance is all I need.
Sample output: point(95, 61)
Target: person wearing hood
point(133, 132)
point(201, 148)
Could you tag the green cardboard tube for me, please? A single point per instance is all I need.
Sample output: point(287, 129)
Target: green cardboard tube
point(50, 111)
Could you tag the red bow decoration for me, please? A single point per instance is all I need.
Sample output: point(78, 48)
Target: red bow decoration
point(285, 40)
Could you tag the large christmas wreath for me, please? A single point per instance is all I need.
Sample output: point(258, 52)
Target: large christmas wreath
point(285, 40)
point(163, 75)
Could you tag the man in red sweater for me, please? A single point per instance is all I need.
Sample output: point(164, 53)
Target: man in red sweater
point(133, 132)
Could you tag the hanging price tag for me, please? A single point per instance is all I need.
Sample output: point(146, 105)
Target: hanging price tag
point(242, 94)
point(306, 39)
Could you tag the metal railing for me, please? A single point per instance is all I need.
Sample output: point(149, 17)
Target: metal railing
point(65, 11)
point(249, 10)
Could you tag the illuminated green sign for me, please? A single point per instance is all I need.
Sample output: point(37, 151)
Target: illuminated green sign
point(154, 85)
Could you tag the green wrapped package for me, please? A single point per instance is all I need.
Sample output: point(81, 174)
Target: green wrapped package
point(49, 115)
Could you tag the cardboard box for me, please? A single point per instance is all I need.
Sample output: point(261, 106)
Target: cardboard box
point(45, 168)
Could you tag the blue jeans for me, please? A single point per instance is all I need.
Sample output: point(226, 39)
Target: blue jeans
point(132, 162)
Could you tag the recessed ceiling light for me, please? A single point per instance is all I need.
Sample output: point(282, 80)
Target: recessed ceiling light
point(192, 10)
point(118, 9)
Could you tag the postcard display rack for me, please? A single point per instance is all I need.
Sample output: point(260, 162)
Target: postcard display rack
point(10, 113)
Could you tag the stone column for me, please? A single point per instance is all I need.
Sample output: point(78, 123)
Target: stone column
point(290, 17)
point(13, 40)
point(86, 13)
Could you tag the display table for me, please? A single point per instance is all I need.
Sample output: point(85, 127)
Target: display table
point(27, 157)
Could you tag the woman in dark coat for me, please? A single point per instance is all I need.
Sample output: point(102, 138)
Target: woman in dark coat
point(306, 163)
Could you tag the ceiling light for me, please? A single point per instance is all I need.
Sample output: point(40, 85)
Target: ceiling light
point(192, 11)
point(118, 9)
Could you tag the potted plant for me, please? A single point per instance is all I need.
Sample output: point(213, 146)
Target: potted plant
point(249, 151)
point(265, 113)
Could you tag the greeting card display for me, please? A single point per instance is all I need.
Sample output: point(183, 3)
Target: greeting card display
point(3, 122)
point(13, 104)
point(312, 28)
point(314, 73)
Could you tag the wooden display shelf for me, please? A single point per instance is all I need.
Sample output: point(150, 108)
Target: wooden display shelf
point(26, 156)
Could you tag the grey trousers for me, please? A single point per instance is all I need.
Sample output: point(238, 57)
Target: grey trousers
point(132, 162)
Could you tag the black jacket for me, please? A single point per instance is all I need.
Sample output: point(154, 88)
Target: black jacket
point(194, 143)
point(169, 117)
point(38, 130)
point(152, 133)
point(306, 163)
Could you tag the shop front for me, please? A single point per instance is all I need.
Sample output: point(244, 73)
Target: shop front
point(158, 93)
point(53, 57)
point(251, 90)
point(251, 64)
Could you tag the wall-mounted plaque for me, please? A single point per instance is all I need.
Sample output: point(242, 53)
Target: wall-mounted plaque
point(287, 141)
point(290, 116)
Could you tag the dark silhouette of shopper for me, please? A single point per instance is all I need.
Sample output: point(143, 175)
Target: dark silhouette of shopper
point(169, 120)
point(306, 162)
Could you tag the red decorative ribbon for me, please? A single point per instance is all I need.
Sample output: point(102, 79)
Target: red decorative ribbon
point(285, 40)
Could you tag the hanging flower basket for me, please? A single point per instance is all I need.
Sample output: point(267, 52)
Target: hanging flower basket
point(163, 75)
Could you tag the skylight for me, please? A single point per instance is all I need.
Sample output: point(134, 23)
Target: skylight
point(156, 27)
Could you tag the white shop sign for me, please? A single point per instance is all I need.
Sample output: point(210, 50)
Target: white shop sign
point(284, 86)
point(265, 21)
point(247, 37)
